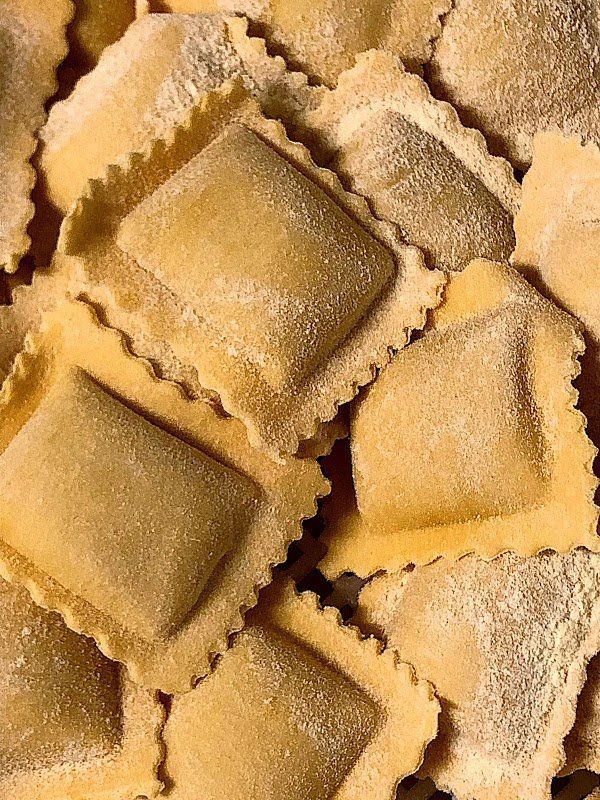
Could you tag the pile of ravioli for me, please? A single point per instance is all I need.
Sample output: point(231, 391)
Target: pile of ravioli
point(300, 364)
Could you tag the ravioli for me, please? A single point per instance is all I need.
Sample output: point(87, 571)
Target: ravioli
point(144, 517)
point(469, 440)
point(301, 708)
point(71, 721)
point(516, 67)
point(582, 745)
point(408, 154)
point(277, 287)
point(32, 45)
point(512, 638)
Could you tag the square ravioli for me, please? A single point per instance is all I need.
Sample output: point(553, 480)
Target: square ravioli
point(125, 457)
point(147, 82)
point(72, 723)
point(469, 441)
point(300, 708)
point(512, 639)
point(32, 45)
point(159, 520)
point(256, 247)
point(252, 265)
point(322, 37)
point(409, 155)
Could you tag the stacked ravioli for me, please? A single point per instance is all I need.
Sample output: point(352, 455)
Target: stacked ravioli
point(300, 364)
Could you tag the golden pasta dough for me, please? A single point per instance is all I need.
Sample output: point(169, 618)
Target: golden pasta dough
point(32, 44)
point(469, 440)
point(407, 153)
point(516, 67)
point(159, 521)
point(301, 708)
point(322, 37)
point(511, 639)
point(72, 723)
point(279, 289)
point(145, 84)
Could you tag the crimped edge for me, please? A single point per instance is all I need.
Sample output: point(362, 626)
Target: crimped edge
point(296, 81)
point(108, 642)
point(143, 717)
point(332, 565)
point(380, 81)
point(277, 608)
point(280, 90)
point(409, 260)
point(21, 241)
point(24, 312)
point(563, 715)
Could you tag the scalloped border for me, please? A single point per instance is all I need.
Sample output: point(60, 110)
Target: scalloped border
point(21, 241)
point(379, 81)
point(29, 301)
point(143, 717)
point(333, 565)
point(77, 612)
point(281, 608)
point(413, 280)
point(280, 90)
point(576, 677)
point(273, 65)
point(417, 48)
